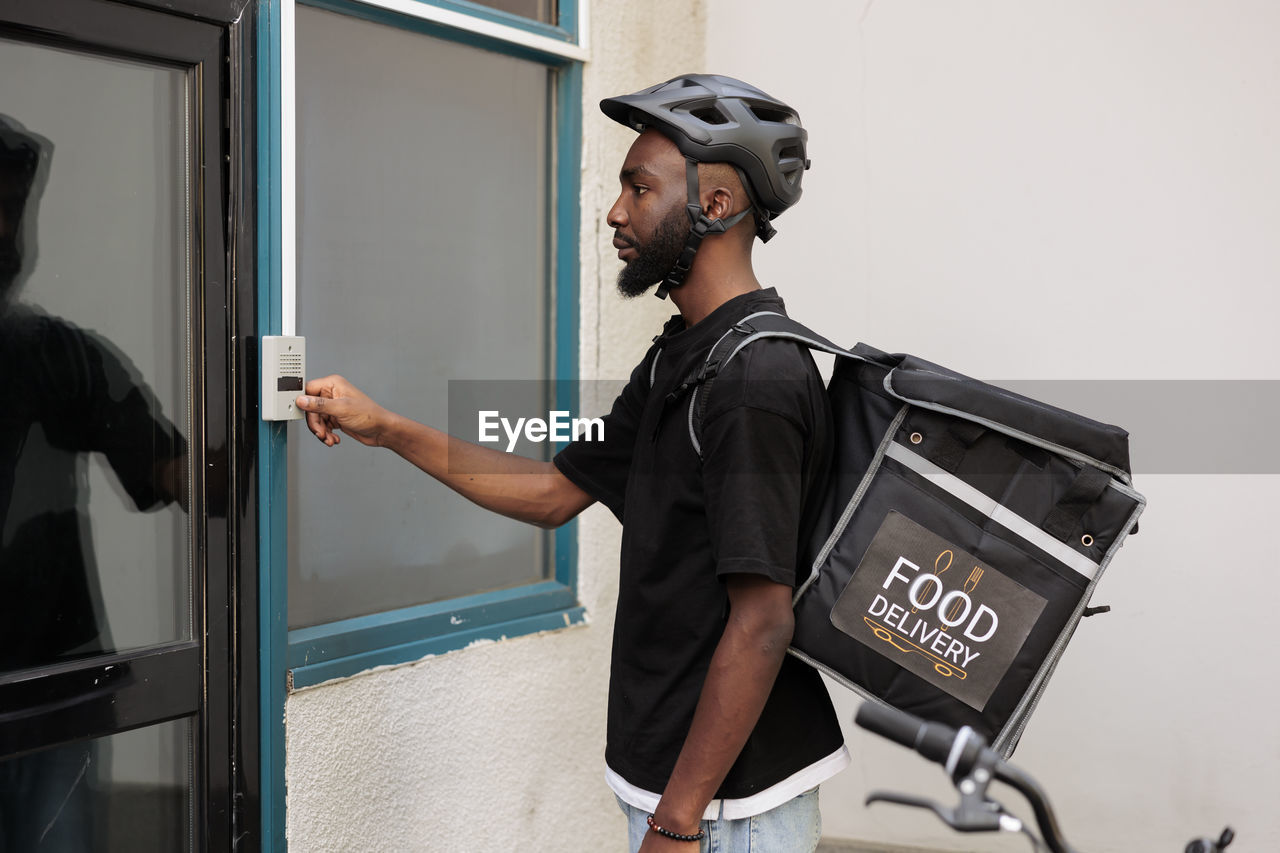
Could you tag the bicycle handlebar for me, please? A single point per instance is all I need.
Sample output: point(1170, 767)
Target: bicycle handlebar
point(969, 762)
point(931, 740)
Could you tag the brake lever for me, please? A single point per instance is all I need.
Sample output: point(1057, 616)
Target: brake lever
point(943, 814)
point(971, 816)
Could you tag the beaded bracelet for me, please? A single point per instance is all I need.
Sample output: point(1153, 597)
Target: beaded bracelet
point(666, 833)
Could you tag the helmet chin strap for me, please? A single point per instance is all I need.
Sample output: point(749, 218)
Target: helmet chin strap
point(702, 226)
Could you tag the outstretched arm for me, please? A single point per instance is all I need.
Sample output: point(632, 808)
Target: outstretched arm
point(524, 489)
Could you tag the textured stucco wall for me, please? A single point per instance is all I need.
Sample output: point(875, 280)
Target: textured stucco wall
point(500, 747)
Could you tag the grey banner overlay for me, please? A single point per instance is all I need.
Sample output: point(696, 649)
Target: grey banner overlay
point(1176, 426)
point(504, 415)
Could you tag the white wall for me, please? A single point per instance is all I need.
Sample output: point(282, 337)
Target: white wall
point(500, 747)
point(1087, 190)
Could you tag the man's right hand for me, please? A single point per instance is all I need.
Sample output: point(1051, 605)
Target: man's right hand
point(332, 404)
point(530, 490)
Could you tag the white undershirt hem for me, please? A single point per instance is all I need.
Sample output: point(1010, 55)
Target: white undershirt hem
point(770, 798)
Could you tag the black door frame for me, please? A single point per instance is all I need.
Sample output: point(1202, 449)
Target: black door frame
point(214, 678)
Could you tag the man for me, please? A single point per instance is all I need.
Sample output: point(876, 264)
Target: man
point(714, 732)
point(73, 393)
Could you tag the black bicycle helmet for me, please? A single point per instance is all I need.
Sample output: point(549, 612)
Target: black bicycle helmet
point(715, 119)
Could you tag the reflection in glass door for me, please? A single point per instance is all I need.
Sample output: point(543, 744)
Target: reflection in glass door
point(129, 791)
point(115, 695)
point(94, 321)
point(95, 277)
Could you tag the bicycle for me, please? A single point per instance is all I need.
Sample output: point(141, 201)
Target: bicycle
point(972, 767)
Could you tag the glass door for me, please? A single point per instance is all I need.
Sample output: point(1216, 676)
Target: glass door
point(116, 564)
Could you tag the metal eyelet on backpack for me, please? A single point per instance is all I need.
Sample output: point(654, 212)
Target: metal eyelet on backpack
point(1086, 540)
point(916, 438)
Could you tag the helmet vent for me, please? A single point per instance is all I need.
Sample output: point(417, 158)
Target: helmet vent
point(791, 164)
point(773, 115)
point(709, 115)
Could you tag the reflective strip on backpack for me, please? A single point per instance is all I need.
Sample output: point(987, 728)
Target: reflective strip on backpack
point(993, 510)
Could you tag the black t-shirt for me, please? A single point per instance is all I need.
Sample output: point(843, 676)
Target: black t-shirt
point(687, 522)
point(70, 393)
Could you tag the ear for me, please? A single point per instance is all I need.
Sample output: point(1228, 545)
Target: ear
point(718, 202)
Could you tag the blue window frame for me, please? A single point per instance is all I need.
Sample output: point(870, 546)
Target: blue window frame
point(309, 656)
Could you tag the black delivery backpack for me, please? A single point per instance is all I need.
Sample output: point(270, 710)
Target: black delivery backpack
point(962, 534)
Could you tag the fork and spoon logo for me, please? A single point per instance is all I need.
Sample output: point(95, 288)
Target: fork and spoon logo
point(940, 564)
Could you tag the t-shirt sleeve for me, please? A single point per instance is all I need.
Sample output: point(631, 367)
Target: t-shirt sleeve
point(106, 407)
point(599, 463)
point(753, 461)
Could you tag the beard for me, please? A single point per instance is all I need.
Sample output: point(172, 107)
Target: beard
point(655, 258)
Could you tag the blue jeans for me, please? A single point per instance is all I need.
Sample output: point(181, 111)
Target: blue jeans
point(793, 827)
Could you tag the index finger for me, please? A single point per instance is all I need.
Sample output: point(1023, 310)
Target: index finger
point(323, 387)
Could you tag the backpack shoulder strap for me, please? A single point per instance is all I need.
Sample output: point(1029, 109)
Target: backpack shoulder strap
point(753, 327)
point(770, 324)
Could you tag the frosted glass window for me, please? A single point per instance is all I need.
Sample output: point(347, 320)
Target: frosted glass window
point(423, 210)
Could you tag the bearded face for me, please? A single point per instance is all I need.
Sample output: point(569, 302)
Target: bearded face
point(655, 256)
